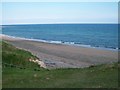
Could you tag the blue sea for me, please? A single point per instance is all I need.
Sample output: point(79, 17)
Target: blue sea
point(90, 35)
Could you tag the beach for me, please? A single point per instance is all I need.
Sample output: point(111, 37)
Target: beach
point(64, 56)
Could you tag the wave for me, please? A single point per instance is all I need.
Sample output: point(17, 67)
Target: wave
point(64, 43)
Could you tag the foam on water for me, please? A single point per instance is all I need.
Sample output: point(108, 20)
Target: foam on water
point(60, 42)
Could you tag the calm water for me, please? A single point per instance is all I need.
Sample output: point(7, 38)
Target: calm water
point(94, 35)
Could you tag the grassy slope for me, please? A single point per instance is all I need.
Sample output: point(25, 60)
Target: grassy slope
point(93, 77)
point(0, 65)
point(15, 56)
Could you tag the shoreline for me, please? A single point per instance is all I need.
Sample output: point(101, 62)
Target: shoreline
point(61, 43)
point(64, 56)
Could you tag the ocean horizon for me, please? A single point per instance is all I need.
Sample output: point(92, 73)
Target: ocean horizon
point(87, 35)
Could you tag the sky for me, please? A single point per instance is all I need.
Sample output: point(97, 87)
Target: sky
point(60, 0)
point(59, 12)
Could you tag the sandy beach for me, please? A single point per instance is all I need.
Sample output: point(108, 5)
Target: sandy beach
point(64, 56)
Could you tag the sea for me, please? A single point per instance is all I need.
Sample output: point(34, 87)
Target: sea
point(104, 36)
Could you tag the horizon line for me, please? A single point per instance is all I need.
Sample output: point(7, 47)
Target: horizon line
point(55, 23)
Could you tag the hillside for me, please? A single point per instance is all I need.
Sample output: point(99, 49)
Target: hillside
point(19, 72)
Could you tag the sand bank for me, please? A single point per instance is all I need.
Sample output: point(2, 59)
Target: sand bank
point(64, 56)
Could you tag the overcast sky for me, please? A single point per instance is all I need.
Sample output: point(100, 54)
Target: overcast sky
point(59, 12)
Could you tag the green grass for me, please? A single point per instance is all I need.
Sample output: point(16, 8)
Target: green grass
point(102, 76)
point(14, 56)
point(0, 64)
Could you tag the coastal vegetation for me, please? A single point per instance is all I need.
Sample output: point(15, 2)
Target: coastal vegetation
point(15, 57)
point(0, 64)
point(19, 72)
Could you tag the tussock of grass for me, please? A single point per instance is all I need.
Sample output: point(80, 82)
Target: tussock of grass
point(102, 76)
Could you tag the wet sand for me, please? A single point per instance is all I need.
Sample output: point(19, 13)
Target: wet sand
point(64, 56)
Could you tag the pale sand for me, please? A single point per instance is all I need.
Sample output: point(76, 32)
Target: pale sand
point(64, 56)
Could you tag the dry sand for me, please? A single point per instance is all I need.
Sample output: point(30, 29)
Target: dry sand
point(64, 56)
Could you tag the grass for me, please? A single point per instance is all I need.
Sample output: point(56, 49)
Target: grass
point(16, 57)
point(0, 65)
point(102, 76)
